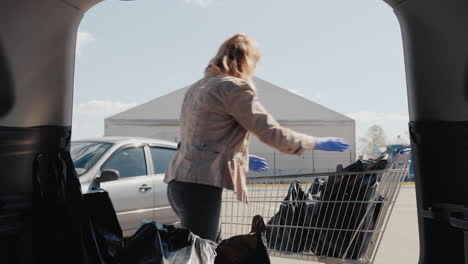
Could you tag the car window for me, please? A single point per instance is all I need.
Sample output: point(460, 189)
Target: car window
point(161, 158)
point(85, 154)
point(128, 162)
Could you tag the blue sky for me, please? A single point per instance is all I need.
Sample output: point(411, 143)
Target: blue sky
point(346, 55)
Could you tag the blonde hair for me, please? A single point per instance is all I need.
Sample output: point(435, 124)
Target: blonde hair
point(236, 57)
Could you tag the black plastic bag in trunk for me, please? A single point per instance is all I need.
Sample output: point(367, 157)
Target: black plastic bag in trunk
point(245, 249)
point(59, 221)
point(105, 225)
point(155, 243)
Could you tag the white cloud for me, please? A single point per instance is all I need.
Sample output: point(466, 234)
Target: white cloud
point(102, 107)
point(376, 116)
point(87, 128)
point(88, 117)
point(83, 39)
point(199, 2)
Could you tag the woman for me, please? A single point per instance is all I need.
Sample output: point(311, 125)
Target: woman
point(219, 113)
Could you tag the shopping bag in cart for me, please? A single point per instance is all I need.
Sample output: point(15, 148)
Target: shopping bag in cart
point(285, 228)
point(347, 215)
point(245, 249)
point(334, 218)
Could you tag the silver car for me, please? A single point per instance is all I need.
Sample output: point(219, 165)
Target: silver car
point(131, 170)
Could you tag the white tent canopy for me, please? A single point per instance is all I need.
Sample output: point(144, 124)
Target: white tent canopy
point(158, 118)
point(284, 105)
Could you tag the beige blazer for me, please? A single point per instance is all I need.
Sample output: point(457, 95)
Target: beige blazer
point(219, 113)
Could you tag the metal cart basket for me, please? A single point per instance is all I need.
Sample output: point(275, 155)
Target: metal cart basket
point(338, 218)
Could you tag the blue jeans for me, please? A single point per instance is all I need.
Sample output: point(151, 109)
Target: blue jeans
point(198, 206)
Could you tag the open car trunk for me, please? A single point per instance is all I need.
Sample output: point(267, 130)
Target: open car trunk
point(41, 217)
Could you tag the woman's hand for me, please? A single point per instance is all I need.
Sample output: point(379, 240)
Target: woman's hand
point(331, 144)
point(257, 163)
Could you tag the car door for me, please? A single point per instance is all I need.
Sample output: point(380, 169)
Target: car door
point(132, 194)
point(161, 157)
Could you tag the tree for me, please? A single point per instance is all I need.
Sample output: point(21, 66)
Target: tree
point(375, 138)
point(400, 140)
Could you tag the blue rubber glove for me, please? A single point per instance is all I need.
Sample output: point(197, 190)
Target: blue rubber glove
point(331, 144)
point(257, 163)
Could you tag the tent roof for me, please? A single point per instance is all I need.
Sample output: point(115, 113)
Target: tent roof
point(284, 105)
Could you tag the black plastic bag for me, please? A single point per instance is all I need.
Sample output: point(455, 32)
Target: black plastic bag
point(339, 219)
point(318, 220)
point(105, 225)
point(298, 207)
point(245, 249)
point(156, 243)
point(59, 218)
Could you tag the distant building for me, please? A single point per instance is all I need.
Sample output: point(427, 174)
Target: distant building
point(158, 118)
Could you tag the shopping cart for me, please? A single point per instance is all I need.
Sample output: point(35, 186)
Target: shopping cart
point(330, 228)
